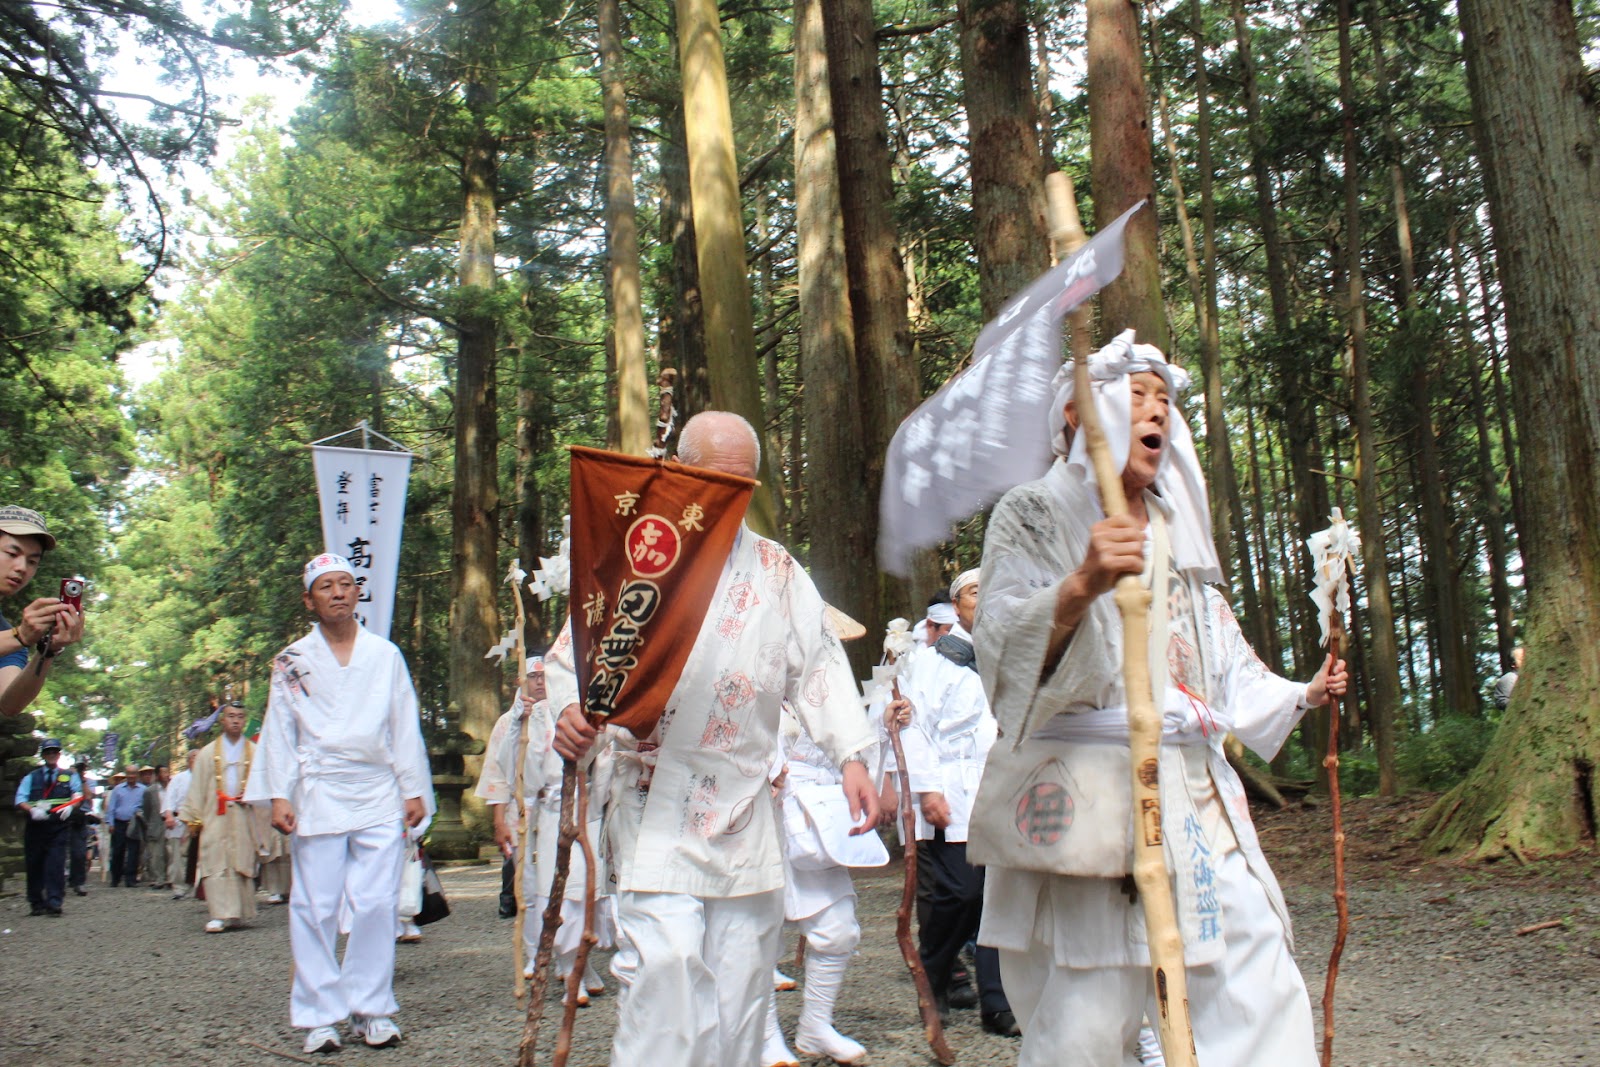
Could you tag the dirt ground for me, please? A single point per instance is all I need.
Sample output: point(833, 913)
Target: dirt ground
point(1434, 973)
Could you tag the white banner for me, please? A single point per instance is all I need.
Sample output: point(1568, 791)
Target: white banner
point(987, 429)
point(363, 494)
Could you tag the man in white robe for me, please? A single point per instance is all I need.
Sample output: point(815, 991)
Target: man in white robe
point(344, 768)
point(229, 830)
point(541, 783)
point(951, 732)
point(1050, 646)
point(693, 831)
point(177, 829)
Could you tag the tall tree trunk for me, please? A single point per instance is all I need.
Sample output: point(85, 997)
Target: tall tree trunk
point(1494, 523)
point(1533, 117)
point(719, 235)
point(475, 495)
point(885, 377)
point(1002, 149)
point(1121, 170)
point(682, 323)
point(834, 438)
point(622, 241)
point(1383, 663)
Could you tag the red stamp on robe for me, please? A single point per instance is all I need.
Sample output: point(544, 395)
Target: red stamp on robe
point(653, 546)
point(1044, 814)
point(719, 734)
point(734, 691)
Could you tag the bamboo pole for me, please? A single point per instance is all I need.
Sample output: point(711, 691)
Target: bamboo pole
point(932, 1027)
point(1150, 875)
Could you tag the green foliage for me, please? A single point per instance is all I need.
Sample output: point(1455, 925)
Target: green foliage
point(1442, 756)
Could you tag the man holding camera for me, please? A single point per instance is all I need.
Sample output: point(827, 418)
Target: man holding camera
point(47, 797)
point(29, 646)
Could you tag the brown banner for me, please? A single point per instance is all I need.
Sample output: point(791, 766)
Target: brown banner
point(649, 540)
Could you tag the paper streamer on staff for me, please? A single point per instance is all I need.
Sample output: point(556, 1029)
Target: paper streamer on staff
point(987, 430)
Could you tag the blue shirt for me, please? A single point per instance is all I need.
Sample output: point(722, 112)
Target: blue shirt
point(123, 804)
point(27, 793)
point(19, 658)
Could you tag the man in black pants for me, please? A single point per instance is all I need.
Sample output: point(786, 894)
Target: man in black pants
point(949, 738)
point(79, 824)
point(47, 796)
point(122, 807)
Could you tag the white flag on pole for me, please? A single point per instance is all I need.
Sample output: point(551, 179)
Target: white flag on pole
point(363, 495)
point(987, 429)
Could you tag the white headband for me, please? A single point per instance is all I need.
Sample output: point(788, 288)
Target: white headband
point(942, 614)
point(324, 563)
point(1179, 480)
point(964, 579)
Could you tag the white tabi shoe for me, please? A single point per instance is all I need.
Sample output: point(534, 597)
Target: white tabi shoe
point(814, 1035)
point(216, 926)
point(322, 1039)
point(378, 1031)
point(274, 898)
point(410, 933)
point(782, 982)
point(593, 984)
point(774, 1049)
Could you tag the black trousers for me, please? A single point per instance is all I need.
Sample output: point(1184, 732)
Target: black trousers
point(124, 854)
point(44, 849)
point(956, 905)
point(508, 889)
point(77, 855)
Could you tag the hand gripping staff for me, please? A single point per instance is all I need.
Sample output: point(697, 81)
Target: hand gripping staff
point(1333, 554)
point(1144, 719)
point(897, 642)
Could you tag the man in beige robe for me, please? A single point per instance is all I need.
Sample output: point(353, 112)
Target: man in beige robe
point(230, 830)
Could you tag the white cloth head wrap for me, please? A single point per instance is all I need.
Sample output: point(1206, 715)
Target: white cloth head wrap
point(1179, 480)
point(322, 564)
point(942, 614)
point(964, 579)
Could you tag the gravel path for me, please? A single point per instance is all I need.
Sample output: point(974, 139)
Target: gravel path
point(1434, 974)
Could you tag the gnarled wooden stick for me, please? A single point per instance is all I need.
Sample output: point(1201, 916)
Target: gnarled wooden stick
point(552, 920)
point(1150, 874)
point(569, 1012)
point(932, 1028)
point(1340, 898)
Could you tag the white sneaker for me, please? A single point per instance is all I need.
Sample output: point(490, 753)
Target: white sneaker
point(274, 898)
point(322, 1039)
point(216, 926)
point(378, 1031)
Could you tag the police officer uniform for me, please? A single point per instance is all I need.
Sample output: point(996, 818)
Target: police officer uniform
point(49, 793)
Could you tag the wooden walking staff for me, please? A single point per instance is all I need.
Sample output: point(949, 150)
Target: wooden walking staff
point(896, 643)
point(519, 854)
point(1150, 874)
point(1333, 552)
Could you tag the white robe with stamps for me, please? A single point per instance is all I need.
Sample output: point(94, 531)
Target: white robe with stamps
point(1037, 535)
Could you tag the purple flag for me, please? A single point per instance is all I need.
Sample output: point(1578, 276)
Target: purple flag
point(987, 429)
point(201, 725)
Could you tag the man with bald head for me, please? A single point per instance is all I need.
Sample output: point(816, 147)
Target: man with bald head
point(693, 835)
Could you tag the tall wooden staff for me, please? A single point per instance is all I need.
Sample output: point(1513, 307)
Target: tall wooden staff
point(520, 853)
point(896, 643)
point(1333, 551)
point(1144, 718)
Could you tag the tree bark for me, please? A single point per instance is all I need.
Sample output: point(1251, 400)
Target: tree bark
point(719, 235)
point(1533, 117)
point(834, 451)
point(1002, 149)
point(622, 241)
point(682, 324)
point(475, 495)
point(1121, 170)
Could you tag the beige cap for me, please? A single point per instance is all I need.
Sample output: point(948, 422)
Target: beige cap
point(25, 522)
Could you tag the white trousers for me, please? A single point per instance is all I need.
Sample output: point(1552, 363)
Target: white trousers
point(362, 869)
point(693, 974)
point(1250, 1009)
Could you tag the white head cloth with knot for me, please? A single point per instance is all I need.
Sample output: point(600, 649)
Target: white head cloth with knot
point(1179, 481)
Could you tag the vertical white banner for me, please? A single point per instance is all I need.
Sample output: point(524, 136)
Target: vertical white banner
point(363, 495)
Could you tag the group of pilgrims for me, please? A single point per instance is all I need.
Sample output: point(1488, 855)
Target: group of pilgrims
point(768, 776)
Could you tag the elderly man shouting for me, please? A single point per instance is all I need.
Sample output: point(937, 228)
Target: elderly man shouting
point(693, 832)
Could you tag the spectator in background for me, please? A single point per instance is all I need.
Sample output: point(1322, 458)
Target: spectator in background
point(122, 807)
point(177, 833)
point(79, 821)
point(153, 825)
point(1507, 681)
point(44, 627)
